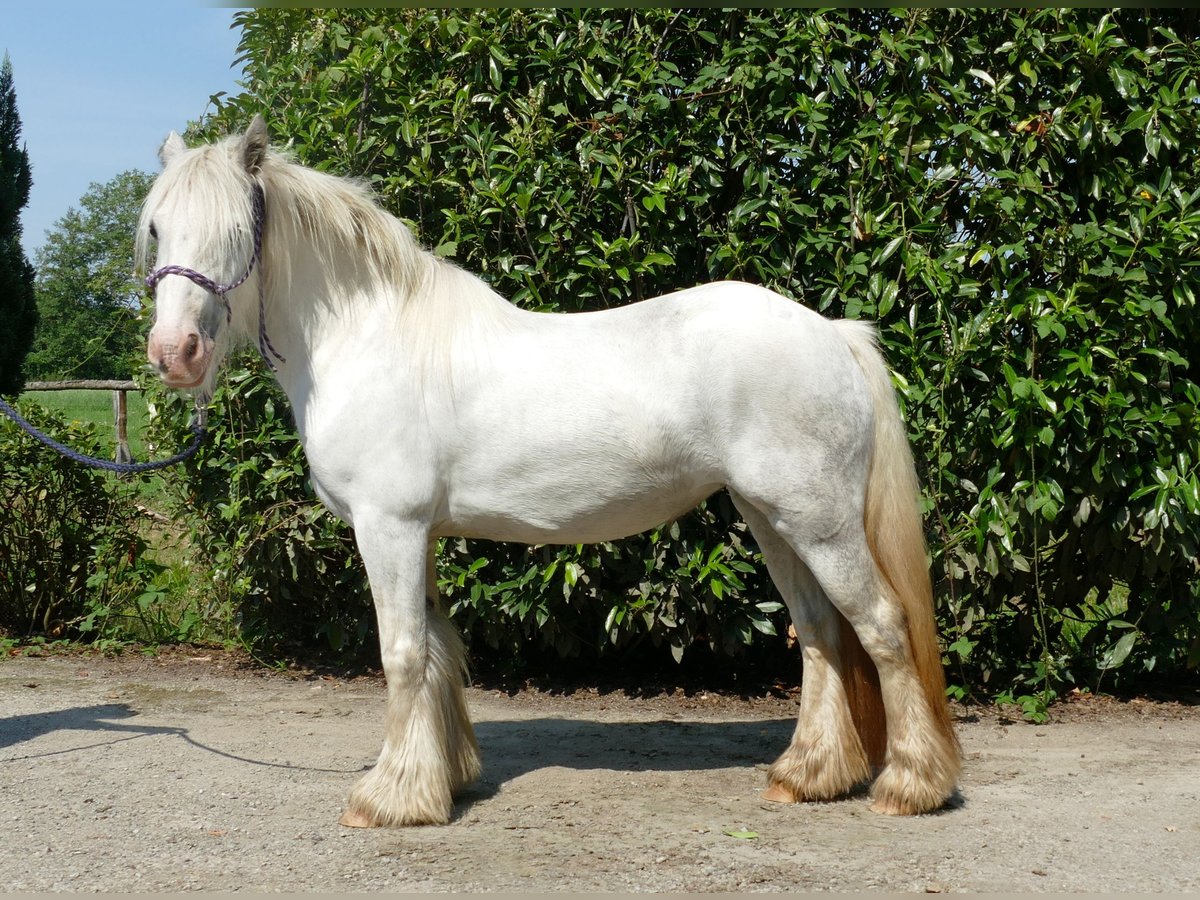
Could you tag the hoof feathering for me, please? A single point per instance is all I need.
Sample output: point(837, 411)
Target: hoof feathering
point(900, 791)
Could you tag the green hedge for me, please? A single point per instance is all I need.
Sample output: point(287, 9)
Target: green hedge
point(73, 554)
point(1013, 194)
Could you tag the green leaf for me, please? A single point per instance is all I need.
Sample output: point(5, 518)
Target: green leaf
point(1119, 652)
point(1124, 80)
point(658, 258)
point(984, 77)
point(594, 87)
point(962, 647)
point(888, 250)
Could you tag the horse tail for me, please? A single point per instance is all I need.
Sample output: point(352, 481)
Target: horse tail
point(896, 538)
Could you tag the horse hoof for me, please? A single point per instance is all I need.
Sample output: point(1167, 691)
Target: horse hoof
point(777, 793)
point(888, 808)
point(352, 818)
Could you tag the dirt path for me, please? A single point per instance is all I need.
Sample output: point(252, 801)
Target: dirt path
point(191, 774)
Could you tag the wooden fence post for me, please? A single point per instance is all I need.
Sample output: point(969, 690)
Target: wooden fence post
point(120, 412)
point(120, 408)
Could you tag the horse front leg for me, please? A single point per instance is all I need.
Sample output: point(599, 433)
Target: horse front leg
point(429, 749)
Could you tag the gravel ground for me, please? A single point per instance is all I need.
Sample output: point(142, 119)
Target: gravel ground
point(191, 771)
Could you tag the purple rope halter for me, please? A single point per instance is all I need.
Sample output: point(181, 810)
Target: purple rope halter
point(221, 291)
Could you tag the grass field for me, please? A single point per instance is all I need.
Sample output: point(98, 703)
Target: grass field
point(97, 407)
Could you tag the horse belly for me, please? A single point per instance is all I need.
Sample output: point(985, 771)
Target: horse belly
point(569, 516)
point(579, 476)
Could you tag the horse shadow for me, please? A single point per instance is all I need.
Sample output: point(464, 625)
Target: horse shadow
point(514, 748)
point(20, 729)
point(511, 748)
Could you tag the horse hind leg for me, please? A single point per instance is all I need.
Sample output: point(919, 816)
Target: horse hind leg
point(826, 757)
point(448, 661)
point(923, 760)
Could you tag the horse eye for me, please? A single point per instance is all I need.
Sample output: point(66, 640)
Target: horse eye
point(153, 231)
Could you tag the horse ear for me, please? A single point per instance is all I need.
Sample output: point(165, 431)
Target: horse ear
point(171, 148)
point(254, 144)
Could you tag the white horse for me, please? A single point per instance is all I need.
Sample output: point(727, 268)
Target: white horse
point(429, 406)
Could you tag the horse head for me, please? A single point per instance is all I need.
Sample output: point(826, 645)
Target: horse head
point(205, 213)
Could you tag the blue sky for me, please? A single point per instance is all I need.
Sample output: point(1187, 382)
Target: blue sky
point(99, 85)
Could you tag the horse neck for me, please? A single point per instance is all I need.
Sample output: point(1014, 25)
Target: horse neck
point(311, 306)
point(328, 313)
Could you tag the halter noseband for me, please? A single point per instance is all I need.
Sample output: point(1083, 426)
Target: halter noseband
point(222, 290)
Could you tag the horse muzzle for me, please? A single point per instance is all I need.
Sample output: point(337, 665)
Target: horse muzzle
point(180, 357)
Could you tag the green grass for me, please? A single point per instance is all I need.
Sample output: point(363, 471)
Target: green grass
point(97, 407)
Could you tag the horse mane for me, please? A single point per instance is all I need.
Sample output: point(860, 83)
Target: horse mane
point(362, 248)
point(342, 219)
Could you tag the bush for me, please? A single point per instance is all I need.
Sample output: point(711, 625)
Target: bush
point(669, 590)
point(1011, 194)
point(71, 550)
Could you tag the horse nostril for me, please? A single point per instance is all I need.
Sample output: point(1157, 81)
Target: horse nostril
point(154, 355)
point(192, 348)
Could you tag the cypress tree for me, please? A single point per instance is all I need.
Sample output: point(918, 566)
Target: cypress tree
point(18, 306)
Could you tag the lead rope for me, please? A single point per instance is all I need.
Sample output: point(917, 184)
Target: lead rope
point(197, 427)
